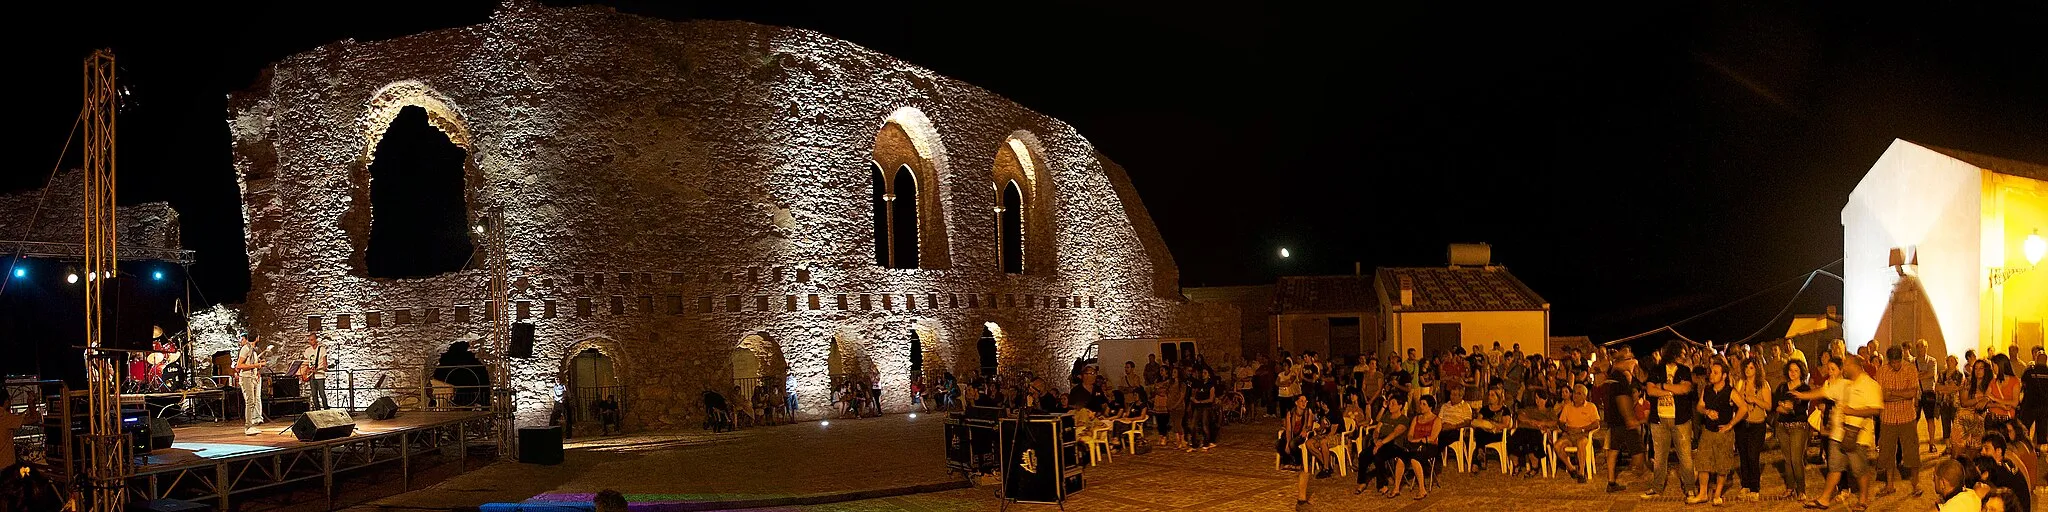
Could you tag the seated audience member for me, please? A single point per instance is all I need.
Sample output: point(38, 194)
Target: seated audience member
point(609, 501)
point(1951, 492)
point(1993, 471)
point(1388, 448)
point(1577, 419)
point(1423, 451)
point(1532, 419)
point(2003, 500)
point(1293, 429)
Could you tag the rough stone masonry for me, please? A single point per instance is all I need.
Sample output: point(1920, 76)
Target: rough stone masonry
point(674, 192)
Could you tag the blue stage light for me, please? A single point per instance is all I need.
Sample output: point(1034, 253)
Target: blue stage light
point(20, 272)
point(158, 275)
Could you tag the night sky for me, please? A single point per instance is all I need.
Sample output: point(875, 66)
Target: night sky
point(1634, 165)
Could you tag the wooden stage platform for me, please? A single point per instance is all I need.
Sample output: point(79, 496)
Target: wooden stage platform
point(212, 461)
point(209, 443)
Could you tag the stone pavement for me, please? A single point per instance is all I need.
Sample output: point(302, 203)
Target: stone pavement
point(1239, 476)
point(767, 463)
point(896, 452)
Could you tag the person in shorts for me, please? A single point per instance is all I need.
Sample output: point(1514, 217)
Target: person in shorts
point(1618, 412)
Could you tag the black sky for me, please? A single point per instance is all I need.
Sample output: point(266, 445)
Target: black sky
point(1634, 164)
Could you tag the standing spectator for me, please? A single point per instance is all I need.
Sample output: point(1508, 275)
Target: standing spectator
point(1720, 410)
point(1152, 369)
point(1948, 388)
point(1624, 430)
point(1202, 397)
point(2033, 406)
point(1288, 382)
point(1793, 431)
point(1898, 438)
point(1755, 393)
point(1858, 399)
point(2003, 395)
point(1670, 386)
point(1166, 399)
point(1970, 405)
point(1132, 377)
point(1929, 404)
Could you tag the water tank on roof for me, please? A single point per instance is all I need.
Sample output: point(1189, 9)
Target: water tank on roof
point(1471, 255)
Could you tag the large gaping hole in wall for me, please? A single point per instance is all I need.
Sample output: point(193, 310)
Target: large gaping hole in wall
point(418, 213)
point(1012, 229)
point(460, 379)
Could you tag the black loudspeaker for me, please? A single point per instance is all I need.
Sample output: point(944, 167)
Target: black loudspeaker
point(169, 505)
point(382, 409)
point(522, 340)
point(160, 435)
point(540, 445)
point(1041, 459)
point(323, 425)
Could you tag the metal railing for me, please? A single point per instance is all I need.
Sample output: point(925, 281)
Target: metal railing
point(413, 389)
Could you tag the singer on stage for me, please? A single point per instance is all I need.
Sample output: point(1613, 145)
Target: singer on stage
point(249, 375)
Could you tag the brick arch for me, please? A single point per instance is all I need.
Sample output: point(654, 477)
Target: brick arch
point(908, 139)
point(380, 110)
point(1021, 160)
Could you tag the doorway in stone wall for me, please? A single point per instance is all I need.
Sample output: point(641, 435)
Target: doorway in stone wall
point(592, 378)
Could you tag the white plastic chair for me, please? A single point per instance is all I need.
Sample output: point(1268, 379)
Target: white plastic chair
point(1462, 449)
point(1098, 444)
point(1501, 447)
point(1131, 437)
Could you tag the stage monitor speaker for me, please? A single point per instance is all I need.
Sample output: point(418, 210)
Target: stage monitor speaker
point(160, 435)
point(382, 409)
point(540, 445)
point(323, 425)
point(522, 340)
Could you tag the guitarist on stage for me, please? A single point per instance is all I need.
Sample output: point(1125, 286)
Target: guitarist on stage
point(249, 375)
point(313, 373)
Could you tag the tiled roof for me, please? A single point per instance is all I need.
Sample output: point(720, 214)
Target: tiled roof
point(1459, 289)
point(1250, 299)
point(1994, 164)
point(1306, 294)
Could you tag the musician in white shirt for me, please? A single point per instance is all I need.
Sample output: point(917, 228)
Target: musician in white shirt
point(249, 376)
point(314, 372)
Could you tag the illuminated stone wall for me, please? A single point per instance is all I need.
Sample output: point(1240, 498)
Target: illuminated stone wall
point(712, 178)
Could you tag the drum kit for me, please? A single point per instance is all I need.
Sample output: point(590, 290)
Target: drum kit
point(162, 368)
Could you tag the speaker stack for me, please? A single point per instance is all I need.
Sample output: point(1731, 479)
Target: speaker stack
point(323, 425)
point(1041, 458)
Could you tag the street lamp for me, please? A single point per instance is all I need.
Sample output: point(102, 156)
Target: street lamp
point(2033, 248)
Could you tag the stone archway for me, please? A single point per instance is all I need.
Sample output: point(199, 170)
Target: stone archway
point(592, 370)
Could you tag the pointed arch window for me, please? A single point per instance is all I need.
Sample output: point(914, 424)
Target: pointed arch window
point(903, 219)
point(1011, 220)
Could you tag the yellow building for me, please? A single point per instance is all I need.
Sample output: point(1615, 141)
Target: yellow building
point(1473, 303)
point(1938, 245)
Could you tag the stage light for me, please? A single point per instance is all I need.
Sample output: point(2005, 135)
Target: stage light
point(92, 276)
point(20, 272)
point(71, 278)
point(157, 275)
point(825, 423)
point(913, 415)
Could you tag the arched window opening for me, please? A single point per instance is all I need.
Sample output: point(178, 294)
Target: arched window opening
point(916, 355)
point(880, 204)
point(903, 219)
point(987, 348)
point(419, 217)
point(1012, 219)
point(460, 380)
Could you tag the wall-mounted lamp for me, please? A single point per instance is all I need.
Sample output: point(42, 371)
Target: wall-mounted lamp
point(2033, 248)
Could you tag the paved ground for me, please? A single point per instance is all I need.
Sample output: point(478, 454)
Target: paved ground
point(784, 461)
point(895, 451)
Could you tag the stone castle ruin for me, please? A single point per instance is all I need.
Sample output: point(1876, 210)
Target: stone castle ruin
point(685, 204)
